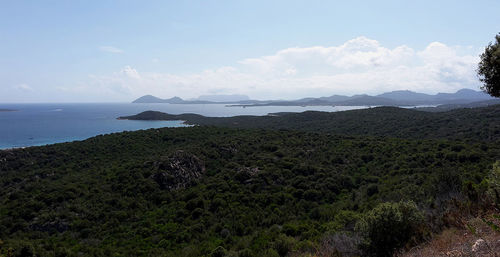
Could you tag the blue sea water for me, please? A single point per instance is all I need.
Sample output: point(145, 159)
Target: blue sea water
point(41, 124)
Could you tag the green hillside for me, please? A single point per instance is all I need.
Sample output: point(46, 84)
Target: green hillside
point(461, 124)
point(207, 191)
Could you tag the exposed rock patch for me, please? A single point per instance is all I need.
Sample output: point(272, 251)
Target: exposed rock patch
point(180, 170)
point(51, 227)
point(245, 174)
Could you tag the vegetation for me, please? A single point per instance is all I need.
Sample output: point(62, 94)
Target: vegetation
point(218, 191)
point(489, 68)
point(471, 124)
point(390, 226)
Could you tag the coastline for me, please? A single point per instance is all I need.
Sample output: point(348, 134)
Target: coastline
point(13, 148)
point(184, 122)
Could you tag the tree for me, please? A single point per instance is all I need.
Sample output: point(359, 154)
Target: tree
point(489, 68)
point(389, 226)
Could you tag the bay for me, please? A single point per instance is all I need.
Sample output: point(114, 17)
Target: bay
point(41, 124)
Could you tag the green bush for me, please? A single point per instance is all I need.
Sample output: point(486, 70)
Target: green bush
point(389, 226)
point(494, 183)
point(218, 252)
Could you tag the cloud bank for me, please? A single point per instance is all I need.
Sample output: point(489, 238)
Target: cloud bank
point(110, 49)
point(360, 65)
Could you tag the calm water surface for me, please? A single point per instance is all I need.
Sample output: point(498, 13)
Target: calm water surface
point(40, 124)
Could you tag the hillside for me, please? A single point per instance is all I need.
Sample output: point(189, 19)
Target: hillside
point(461, 124)
point(286, 184)
point(196, 191)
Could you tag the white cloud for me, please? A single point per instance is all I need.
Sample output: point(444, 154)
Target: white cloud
point(23, 87)
point(360, 65)
point(130, 72)
point(111, 49)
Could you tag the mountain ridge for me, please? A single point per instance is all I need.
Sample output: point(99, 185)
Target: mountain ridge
point(393, 98)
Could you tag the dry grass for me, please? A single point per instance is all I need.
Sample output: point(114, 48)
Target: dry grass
point(476, 238)
point(471, 237)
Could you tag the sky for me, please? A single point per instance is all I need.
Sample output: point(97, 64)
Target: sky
point(116, 51)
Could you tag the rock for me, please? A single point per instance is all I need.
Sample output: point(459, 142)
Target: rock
point(454, 253)
point(51, 227)
point(229, 150)
point(479, 246)
point(177, 171)
point(245, 174)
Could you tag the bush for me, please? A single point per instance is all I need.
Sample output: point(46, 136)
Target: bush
point(340, 244)
point(283, 245)
point(389, 226)
point(494, 183)
point(218, 252)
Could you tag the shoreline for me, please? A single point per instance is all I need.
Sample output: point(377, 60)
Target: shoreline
point(14, 148)
point(184, 122)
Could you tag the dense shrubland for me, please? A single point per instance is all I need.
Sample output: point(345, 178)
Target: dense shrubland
point(469, 124)
point(208, 191)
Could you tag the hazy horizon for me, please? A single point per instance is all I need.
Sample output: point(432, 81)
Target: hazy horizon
point(106, 52)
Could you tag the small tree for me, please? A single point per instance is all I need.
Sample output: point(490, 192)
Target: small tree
point(489, 68)
point(494, 183)
point(389, 226)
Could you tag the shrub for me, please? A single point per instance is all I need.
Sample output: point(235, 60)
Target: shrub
point(494, 183)
point(389, 226)
point(218, 252)
point(339, 244)
point(283, 245)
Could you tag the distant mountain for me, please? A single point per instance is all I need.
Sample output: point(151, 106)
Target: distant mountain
point(154, 99)
point(406, 95)
point(370, 100)
point(464, 94)
point(148, 99)
point(178, 100)
point(394, 98)
point(173, 100)
point(460, 97)
point(223, 98)
point(335, 98)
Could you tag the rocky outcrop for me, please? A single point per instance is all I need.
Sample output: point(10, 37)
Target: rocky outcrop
point(245, 175)
point(54, 226)
point(180, 170)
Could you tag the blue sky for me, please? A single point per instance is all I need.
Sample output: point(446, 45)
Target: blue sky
point(108, 51)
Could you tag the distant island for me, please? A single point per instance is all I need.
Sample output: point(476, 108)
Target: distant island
point(7, 110)
point(394, 98)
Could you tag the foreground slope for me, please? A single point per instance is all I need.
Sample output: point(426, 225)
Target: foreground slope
point(212, 191)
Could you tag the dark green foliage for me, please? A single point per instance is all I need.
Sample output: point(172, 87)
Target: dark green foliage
point(489, 68)
point(390, 226)
point(99, 197)
point(493, 184)
point(470, 124)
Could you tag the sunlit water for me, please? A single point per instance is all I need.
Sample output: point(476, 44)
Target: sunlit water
point(40, 124)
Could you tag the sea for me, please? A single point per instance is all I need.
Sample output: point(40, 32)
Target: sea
point(42, 124)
